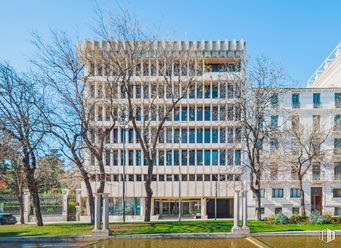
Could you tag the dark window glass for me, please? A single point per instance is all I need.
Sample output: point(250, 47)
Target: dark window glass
point(207, 157)
point(207, 135)
point(199, 114)
point(207, 113)
point(199, 135)
point(199, 157)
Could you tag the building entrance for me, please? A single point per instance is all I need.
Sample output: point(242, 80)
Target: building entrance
point(316, 199)
point(224, 208)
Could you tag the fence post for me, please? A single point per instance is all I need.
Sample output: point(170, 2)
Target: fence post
point(78, 204)
point(65, 193)
point(27, 205)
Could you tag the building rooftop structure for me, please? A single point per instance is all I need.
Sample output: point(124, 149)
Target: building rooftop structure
point(328, 75)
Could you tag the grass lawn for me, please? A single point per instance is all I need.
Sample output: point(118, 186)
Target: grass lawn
point(70, 229)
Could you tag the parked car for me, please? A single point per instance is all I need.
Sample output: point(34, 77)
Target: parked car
point(7, 219)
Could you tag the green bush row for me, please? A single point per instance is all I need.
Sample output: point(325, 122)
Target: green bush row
point(314, 218)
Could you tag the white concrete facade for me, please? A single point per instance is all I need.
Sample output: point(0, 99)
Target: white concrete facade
point(208, 167)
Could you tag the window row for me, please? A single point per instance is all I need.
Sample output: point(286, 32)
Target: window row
point(197, 90)
point(294, 193)
point(177, 135)
point(296, 103)
point(228, 112)
point(168, 177)
point(173, 158)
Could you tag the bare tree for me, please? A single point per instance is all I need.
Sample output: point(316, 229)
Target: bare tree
point(132, 55)
point(22, 118)
point(12, 171)
point(302, 148)
point(258, 95)
point(62, 69)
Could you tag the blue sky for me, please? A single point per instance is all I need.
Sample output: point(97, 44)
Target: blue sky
point(298, 35)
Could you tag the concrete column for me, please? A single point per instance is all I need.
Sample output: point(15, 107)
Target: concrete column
point(245, 227)
point(97, 216)
point(78, 204)
point(87, 203)
point(26, 204)
point(65, 193)
point(142, 206)
point(105, 214)
point(236, 212)
point(203, 208)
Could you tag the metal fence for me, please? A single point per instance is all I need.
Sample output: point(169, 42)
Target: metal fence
point(9, 204)
point(51, 204)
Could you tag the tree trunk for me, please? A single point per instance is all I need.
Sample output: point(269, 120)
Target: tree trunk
point(21, 205)
point(148, 204)
point(91, 199)
point(32, 186)
point(303, 212)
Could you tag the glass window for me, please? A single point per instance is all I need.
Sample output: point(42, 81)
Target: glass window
point(214, 157)
point(222, 113)
point(169, 135)
point(199, 114)
point(192, 113)
point(237, 157)
point(222, 90)
point(295, 100)
point(207, 89)
point(222, 157)
point(184, 135)
point(169, 157)
point(207, 113)
point(184, 116)
point(184, 157)
point(277, 193)
point(199, 157)
point(169, 178)
point(337, 192)
point(214, 113)
point(131, 157)
point(337, 146)
point(207, 157)
point(230, 112)
point(337, 211)
point(295, 210)
point(176, 135)
point(161, 158)
point(230, 91)
point(207, 177)
point(176, 157)
point(338, 100)
point(214, 135)
point(199, 135)
point(278, 210)
point(199, 91)
point(274, 121)
point(222, 135)
point(161, 178)
point(214, 91)
point(199, 178)
point(192, 157)
point(295, 193)
point(191, 135)
point(238, 135)
point(230, 135)
point(337, 122)
point(138, 157)
point(274, 100)
point(337, 170)
point(192, 178)
point(230, 157)
point(316, 100)
point(176, 114)
point(207, 135)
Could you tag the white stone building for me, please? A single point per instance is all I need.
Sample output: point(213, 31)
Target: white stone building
point(204, 162)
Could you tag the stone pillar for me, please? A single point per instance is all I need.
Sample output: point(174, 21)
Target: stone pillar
point(203, 208)
point(78, 204)
point(87, 203)
point(236, 212)
point(26, 205)
point(105, 214)
point(97, 227)
point(65, 193)
point(142, 206)
point(245, 227)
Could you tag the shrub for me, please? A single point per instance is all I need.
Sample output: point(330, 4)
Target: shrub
point(295, 218)
point(271, 218)
point(328, 218)
point(280, 218)
point(317, 218)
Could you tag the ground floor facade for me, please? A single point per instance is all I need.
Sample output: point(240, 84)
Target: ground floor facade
point(210, 200)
